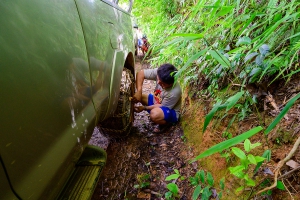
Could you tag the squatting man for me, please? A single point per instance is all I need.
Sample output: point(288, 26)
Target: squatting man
point(164, 105)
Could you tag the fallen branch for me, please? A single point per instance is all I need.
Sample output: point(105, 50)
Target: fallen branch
point(280, 164)
point(288, 173)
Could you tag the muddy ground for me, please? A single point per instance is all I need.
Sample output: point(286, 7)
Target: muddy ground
point(138, 165)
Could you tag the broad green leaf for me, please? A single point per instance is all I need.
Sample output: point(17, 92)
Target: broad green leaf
point(194, 181)
point(259, 159)
point(196, 192)
point(254, 145)
point(176, 171)
point(264, 49)
point(228, 143)
point(172, 177)
point(239, 153)
point(168, 195)
point(206, 193)
point(247, 145)
point(220, 58)
point(222, 185)
point(281, 114)
point(255, 71)
point(259, 60)
point(243, 40)
point(173, 188)
point(202, 176)
point(239, 189)
point(252, 159)
point(280, 185)
point(267, 155)
point(245, 163)
point(250, 56)
point(210, 115)
point(210, 179)
point(233, 100)
point(250, 182)
point(220, 195)
point(255, 74)
point(236, 169)
point(240, 175)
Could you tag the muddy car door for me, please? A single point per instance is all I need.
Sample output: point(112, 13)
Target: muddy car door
point(111, 26)
point(47, 115)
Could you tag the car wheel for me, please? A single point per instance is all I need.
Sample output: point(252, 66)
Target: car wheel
point(119, 125)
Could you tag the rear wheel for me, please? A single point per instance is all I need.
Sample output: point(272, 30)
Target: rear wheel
point(119, 125)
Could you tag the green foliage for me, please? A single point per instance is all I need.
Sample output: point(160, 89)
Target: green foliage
point(267, 156)
point(282, 113)
point(239, 41)
point(230, 102)
point(280, 185)
point(203, 185)
point(228, 143)
point(173, 176)
point(241, 171)
point(226, 43)
point(172, 187)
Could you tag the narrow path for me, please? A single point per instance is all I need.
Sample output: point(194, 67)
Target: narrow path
point(138, 165)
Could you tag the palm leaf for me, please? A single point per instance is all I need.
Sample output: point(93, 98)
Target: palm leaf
point(210, 115)
point(220, 58)
point(228, 143)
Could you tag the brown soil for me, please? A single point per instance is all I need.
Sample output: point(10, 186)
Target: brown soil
point(144, 154)
point(138, 165)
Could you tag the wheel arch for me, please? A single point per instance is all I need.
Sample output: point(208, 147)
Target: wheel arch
point(130, 63)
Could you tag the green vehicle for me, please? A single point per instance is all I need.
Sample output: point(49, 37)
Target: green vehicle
point(65, 67)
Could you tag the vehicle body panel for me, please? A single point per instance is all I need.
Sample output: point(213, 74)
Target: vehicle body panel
point(48, 114)
point(120, 38)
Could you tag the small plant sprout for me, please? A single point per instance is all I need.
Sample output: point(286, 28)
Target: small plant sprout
point(241, 171)
point(203, 184)
point(172, 187)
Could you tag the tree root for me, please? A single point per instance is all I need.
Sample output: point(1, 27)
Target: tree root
point(280, 164)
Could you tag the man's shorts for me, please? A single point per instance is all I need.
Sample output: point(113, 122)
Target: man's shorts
point(169, 114)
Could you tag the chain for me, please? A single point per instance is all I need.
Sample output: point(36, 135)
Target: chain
point(124, 90)
point(121, 114)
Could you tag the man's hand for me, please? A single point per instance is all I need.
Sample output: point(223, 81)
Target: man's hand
point(137, 97)
point(139, 108)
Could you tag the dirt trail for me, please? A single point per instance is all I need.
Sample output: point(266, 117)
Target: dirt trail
point(138, 165)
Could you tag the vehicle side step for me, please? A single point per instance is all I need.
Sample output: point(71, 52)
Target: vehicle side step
point(84, 179)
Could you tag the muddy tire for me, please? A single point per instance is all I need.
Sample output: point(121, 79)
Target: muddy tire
point(119, 125)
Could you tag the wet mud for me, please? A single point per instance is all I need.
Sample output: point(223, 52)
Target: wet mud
point(138, 165)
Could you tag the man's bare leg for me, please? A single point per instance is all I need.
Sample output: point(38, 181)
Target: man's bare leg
point(157, 116)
